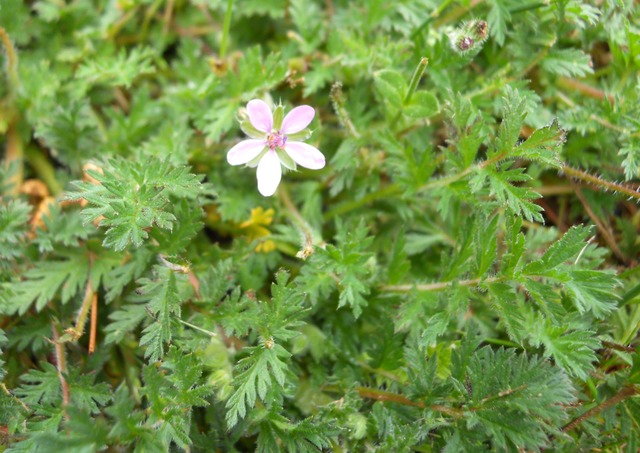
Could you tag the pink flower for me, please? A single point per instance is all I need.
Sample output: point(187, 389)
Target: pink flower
point(274, 142)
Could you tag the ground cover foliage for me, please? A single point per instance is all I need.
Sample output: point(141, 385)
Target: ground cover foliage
point(460, 276)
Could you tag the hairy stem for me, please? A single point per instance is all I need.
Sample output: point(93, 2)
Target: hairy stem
point(94, 323)
point(301, 223)
point(626, 392)
point(439, 286)
point(61, 364)
point(600, 183)
point(337, 100)
point(381, 395)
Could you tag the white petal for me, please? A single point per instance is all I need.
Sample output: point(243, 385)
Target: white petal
point(260, 115)
point(297, 119)
point(269, 173)
point(305, 155)
point(244, 151)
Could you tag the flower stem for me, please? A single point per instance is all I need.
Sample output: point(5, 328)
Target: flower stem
point(415, 79)
point(389, 190)
point(294, 214)
point(61, 365)
point(44, 169)
point(337, 100)
point(199, 329)
point(413, 85)
point(599, 182)
point(225, 29)
point(14, 155)
point(12, 60)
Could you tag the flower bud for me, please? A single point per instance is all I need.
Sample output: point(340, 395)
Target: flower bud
point(481, 29)
point(469, 36)
point(464, 43)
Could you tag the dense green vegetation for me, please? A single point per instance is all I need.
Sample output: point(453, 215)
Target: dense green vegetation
point(459, 275)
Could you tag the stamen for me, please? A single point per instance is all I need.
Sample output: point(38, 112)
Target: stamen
point(276, 140)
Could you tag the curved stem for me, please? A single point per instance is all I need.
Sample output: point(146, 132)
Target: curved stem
point(12, 59)
point(303, 226)
point(44, 169)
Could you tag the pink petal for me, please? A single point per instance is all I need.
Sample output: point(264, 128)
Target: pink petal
point(305, 155)
point(297, 119)
point(245, 151)
point(260, 115)
point(269, 173)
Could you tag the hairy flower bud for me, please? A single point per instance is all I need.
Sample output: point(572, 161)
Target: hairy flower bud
point(470, 36)
point(465, 43)
point(481, 29)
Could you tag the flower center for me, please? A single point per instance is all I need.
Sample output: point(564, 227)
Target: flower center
point(276, 139)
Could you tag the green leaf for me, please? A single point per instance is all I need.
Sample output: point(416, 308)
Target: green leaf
point(118, 70)
point(41, 387)
point(516, 198)
point(49, 279)
point(135, 197)
point(124, 321)
point(593, 290)
point(543, 145)
point(422, 105)
point(567, 62)
point(14, 218)
point(86, 394)
point(398, 265)
point(163, 303)
point(515, 398)
point(498, 17)
point(254, 379)
point(567, 248)
point(514, 106)
point(572, 350)
point(436, 326)
point(391, 87)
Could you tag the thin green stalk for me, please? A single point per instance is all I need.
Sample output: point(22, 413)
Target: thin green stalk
point(225, 29)
point(337, 100)
point(301, 223)
point(12, 60)
point(394, 189)
point(343, 208)
point(413, 85)
point(199, 329)
point(44, 169)
point(415, 79)
point(438, 286)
